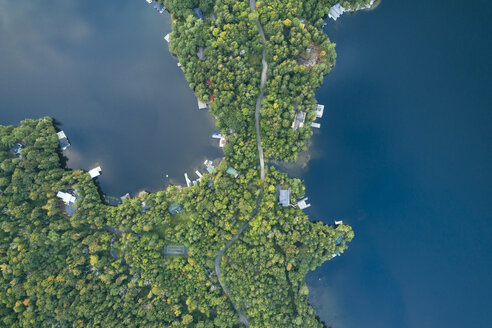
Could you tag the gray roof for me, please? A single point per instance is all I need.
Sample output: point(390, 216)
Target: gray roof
point(284, 197)
point(200, 53)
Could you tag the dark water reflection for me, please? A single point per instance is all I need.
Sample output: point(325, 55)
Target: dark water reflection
point(103, 70)
point(404, 156)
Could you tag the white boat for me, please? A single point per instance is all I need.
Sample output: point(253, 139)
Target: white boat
point(167, 37)
point(315, 125)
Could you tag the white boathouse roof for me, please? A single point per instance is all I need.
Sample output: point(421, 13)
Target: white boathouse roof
point(319, 110)
point(95, 172)
point(336, 11)
point(201, 105)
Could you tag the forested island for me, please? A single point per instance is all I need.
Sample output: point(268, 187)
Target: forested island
point(222, 253)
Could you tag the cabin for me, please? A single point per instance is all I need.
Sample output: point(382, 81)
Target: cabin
point(232, 171)
point(302, 204)
point(284, 197)
point(159, 7)
point(63, 140)
point(175, 208)
point(319, 110)
point(198, 13)
point(299, 120)
point(125, 197)
point(336, 11)
point(16, 149)
point(95, 172)
point(69, 198)
point(200, 53)
point(175, 250)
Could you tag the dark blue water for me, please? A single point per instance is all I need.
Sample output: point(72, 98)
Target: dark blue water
point(405, 158)
point(403, 154)
point(103, 70)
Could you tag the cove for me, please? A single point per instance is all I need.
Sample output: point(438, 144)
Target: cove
point(104, 72)
point(403, 156)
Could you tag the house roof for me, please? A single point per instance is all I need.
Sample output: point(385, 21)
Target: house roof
point(95, 172)
point(299, 120)
point(232, 171)
point(284, 197)
point(175, 208)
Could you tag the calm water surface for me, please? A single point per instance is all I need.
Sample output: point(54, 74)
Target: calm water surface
point(404, 156)
point(103, 70)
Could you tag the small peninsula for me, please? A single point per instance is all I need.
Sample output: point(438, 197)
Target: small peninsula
point(230, 251)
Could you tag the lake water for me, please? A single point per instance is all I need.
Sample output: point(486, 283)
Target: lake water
point(403, 154)
point(103, 70)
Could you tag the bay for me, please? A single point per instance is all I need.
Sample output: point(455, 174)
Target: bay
point(103, 70)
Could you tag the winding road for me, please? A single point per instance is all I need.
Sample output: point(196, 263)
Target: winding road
point(218, 259)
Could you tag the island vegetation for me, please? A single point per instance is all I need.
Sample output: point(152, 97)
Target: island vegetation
point(107, 266)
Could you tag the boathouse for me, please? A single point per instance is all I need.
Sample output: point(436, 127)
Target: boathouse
point(201, 105)
point(16, 149)
point(319, 110)
point(63, 140)
point(95, 172)
point(302, 204)
point(125, 197)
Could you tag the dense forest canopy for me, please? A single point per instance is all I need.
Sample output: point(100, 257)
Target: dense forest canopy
point(107, 266)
